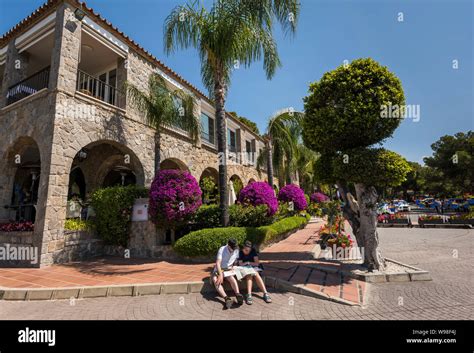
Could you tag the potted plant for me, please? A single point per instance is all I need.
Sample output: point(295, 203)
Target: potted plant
point(339, 245)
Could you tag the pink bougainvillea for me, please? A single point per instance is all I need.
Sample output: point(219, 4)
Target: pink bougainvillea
point(174, 197)
point(259, 193)
point(293, 193)
point(319, 197)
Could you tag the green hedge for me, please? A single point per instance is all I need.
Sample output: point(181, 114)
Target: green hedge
point(113, 209)
point(206, 242)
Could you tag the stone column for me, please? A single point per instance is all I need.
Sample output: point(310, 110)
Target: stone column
point(66, 50)
point(122, 77)
point(16, 69)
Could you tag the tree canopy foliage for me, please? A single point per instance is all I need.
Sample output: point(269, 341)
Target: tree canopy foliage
point(343, 109)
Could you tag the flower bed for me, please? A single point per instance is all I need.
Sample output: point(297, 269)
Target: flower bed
point(461, 219)
point(206, 242)
point(423, 220)
point(17, 227)
point(398, 218)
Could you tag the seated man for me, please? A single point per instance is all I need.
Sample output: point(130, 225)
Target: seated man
point(248, 256)
point(226, 257)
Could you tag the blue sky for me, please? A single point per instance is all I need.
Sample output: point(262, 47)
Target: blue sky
point(420, 51)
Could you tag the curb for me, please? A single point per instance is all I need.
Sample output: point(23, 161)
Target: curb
point(301, 289)
point(412, 275)
point(27, 294)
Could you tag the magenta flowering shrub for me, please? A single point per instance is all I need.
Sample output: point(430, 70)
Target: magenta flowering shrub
point(319, 197)
point(259, 193)
point(174, 197)
point(293, 193)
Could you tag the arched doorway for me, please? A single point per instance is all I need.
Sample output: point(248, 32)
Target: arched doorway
point(101, 164)
point(209, 184)
point(77, 184)
point(251, 180)
point(237, 184)
point(24, 164)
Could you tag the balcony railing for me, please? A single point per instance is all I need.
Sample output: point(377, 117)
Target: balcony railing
point(28, 86)
point(96, 88)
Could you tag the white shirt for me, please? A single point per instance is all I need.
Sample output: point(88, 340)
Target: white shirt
point(227, 257)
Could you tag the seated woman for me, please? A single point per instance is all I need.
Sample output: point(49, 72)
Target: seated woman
point(248, 256)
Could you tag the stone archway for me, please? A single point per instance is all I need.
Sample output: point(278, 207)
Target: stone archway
point(237, 183)
point(107, 163)
point(251, 180)
point(173, 163)
point(20, 189)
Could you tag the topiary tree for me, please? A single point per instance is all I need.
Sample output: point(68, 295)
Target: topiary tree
point(343, 119)
point(259, 193)
point(293, 193)
point(174, 197)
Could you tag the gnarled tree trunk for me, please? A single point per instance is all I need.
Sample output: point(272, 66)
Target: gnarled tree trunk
point(350, 211)
point(367, 200)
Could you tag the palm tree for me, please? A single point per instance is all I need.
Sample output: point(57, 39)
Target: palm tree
point(232, 32)
point(282, 136)
point(164, 108)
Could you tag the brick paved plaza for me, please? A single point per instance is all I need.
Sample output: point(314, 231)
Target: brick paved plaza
point(446, 253)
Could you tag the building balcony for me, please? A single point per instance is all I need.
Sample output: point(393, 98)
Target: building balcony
point(28, 86)
point(98, 89)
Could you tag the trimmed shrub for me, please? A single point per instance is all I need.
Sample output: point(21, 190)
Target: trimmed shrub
point(293, 193)
point(259, 193)
point(113, 209)
point(174, 198)
point(206, 242)
point(207, 216)
point(249, 216)
point(239, 216)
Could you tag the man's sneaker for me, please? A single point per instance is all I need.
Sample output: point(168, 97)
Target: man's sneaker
point(267, 298)
point(248, 299)
point(240, 298)
point(228, 302)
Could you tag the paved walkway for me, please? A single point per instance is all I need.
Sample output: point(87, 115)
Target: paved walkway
point(446, 253)
point(291, 260)
point(287, 260)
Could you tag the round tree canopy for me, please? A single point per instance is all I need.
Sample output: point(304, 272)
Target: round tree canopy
point(370, 166)
point(346, 108)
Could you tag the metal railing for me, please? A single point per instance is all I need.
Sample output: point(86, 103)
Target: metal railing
point(96, 88)
point(28, 86)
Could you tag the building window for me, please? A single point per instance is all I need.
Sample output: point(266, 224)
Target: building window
point(231, 140)
point(207, 128)
point(249, 148)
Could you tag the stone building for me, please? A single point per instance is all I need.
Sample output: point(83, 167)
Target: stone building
point(66, 128)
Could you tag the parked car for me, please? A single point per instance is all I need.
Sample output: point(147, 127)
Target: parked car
point(403, 206)
point(384, 209)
